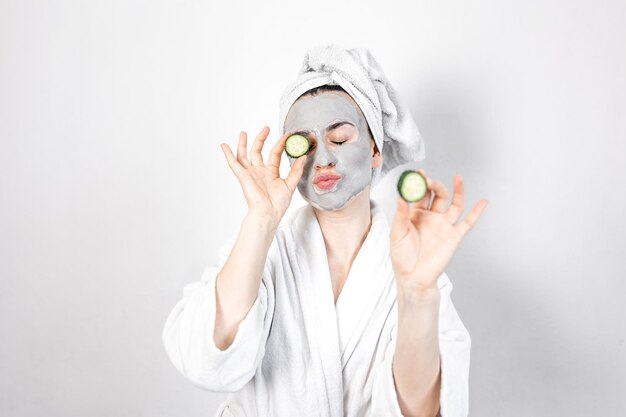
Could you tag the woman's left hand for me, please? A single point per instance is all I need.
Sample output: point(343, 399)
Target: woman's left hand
point(424, 237)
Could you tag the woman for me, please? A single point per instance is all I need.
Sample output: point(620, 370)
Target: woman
point(330, 311)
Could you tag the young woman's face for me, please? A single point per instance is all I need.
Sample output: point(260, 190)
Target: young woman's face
point(341, 148)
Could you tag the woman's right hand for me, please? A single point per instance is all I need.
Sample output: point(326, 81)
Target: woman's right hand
point(268, 196)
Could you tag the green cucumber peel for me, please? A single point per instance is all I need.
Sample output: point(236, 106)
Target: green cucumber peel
point(412, 186)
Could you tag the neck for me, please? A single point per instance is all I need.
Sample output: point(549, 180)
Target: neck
point(345, 229)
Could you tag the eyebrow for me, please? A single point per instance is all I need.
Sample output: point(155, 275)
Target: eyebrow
point(328, 129)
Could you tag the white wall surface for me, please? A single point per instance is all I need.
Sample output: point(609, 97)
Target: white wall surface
point(114, 192)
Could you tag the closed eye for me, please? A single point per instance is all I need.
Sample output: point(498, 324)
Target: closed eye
point(336, 143)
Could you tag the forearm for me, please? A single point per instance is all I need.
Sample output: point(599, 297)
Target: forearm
point(238, 282)
point(416, 366)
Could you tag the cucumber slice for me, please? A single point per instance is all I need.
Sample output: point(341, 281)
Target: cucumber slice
point(296, 146)
point(412, 186)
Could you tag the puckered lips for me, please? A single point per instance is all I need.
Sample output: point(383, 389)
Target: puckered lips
point(326, 180)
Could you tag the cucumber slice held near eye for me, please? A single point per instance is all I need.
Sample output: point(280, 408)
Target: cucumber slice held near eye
point(412, 186)
point(296, 146)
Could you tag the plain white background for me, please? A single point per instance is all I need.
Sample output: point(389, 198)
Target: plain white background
point(114, 192)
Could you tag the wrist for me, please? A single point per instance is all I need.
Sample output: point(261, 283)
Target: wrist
point(416, 293)
point(260, 223)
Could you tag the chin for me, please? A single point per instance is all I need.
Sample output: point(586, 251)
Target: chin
point(343, 205)
point(319, 207)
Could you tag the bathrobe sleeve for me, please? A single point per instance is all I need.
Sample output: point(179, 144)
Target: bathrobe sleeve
point(454, 356)
point(188, 333)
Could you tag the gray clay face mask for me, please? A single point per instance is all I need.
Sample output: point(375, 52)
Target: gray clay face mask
point(340, 146)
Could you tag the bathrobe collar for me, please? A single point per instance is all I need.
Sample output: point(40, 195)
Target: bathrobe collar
point(337, 329)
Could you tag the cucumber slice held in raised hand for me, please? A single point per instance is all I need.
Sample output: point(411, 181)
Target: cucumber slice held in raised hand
point(412, 186)
point(296, 146)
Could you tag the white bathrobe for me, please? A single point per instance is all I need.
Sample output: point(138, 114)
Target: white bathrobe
point(296, 353)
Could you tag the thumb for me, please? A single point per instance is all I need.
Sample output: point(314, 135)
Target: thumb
point(401, 219)
point(295, 173)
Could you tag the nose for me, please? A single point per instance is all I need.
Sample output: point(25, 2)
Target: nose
point(324, 158)
point(329, 165)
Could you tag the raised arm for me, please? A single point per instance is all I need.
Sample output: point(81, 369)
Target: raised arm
point(216, 334)
point(268, 196)
point(237, 283)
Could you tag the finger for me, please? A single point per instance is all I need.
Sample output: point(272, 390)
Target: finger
point(242, 153)
point(234, 165)
point(424, 203)
point(456, 208)
point(416, 209)
point(468, 223)
point(255, 153)
point(401, 220)
point(440, 201)
point(295, 173)
point(277, 151)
